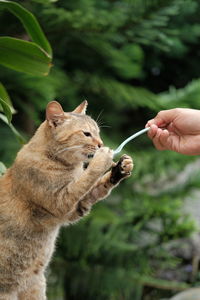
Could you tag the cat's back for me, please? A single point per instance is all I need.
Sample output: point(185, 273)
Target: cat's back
point(5, 184)
point(6, 198)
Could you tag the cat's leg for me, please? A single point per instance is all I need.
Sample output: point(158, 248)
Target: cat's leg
point(103, 187)
point(100, 163)
point(121, 170)
point(69, 196)
point(36, 289)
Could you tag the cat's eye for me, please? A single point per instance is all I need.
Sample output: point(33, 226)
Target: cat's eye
point(86, 133)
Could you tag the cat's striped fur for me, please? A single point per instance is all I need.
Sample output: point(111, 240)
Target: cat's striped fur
point(50, 184)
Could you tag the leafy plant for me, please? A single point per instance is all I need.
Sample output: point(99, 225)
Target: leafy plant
point(129, 59)
point(24, 56)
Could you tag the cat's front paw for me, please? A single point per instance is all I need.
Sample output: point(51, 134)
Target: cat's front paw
point(126, 165)
point(103, 159)
point(122, 169)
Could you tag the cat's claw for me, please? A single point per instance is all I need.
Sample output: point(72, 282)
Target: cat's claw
point(126, 164)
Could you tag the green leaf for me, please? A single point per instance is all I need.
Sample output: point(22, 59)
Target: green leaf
point(23, 56)
point(6, 110)
point(19, 137)
point(2, 168)
point(4, 96)
point(30, 23)
point(44, 1)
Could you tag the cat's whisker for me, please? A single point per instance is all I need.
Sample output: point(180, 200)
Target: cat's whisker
point(100, 122)
point(68, 148)
point(99, 115)
point(101, 126)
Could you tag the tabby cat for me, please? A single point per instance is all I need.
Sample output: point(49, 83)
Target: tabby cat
point(54, 181)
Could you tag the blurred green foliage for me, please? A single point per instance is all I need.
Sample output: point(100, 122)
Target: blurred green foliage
point(129, 59)
point(24, 56)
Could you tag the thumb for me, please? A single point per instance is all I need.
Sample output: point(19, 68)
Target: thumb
point(163, 118)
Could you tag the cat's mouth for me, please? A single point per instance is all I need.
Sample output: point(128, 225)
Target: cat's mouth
point(87, 162)
point(85, 165)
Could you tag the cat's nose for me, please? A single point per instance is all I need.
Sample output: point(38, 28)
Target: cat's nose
point(100, 144)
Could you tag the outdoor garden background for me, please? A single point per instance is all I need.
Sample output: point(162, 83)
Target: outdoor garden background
point(129, 59)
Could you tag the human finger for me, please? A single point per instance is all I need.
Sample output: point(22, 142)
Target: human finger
point(150, 122)
point(157, 141)
point(156, 121)
point(165, 117)
point(153, 130)
point(164, 139)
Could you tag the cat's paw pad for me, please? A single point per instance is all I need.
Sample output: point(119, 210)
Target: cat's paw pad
point(126, 165)
point(122, 169)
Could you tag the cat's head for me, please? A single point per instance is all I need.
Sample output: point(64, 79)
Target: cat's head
point(74, 135)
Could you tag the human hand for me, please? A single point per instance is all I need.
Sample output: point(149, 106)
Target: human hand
point(177, 130)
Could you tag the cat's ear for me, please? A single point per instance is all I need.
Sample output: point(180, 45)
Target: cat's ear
point(81, 109)
point(54, 114)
